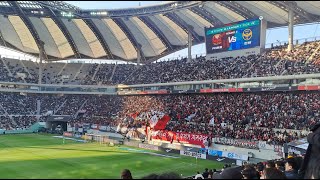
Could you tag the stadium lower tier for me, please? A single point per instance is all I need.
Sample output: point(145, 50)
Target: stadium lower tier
point(253, 116)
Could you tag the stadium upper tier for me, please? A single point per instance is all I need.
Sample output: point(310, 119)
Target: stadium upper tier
point(70, 32)
point(304, 59)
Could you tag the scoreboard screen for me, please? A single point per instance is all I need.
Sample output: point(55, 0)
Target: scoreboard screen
point(235, 36)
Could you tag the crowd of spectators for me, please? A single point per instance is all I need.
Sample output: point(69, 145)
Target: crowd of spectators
point(303, 59)
point(242, 116)
point(285, 168)
point(6, 123)
point(237, 115)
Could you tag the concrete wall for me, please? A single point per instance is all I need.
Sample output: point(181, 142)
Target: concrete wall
point(260, 154)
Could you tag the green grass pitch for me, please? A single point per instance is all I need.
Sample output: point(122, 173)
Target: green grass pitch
point(34, 156)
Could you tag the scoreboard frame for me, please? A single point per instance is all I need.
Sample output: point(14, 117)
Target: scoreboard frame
point(233, 26)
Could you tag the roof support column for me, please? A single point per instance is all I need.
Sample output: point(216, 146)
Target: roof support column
point(139, 54)
point(190, 28)
point(41, 50)
point(290, 26)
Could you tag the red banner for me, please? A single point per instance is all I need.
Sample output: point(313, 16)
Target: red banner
point(154, 92)
point(162, 123)
point(221, 90)
point(310, 88)
point(188, 138)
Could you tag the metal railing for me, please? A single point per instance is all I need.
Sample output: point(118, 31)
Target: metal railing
point(295, 41)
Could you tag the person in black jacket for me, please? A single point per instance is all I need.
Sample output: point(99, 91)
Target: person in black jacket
point(291, 169)
point(310, 168)
point(272, 173)
point(126, 174)
point(280, 165)
point(205, 173)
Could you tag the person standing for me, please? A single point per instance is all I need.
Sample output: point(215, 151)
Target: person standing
point(205, 173)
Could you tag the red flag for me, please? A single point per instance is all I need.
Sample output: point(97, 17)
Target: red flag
point(162, 123)
point(134, 115)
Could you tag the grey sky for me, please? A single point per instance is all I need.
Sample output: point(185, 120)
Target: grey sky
point(272, 35)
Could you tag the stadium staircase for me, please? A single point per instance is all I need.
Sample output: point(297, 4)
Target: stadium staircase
point(80, 108)
point(25, 68)
point(6, 66)
point(95, 72)
point(113, 71)
point(313, 54)
point(233, 65)
point(13, 121)
point(5, 111)
point(262, 55)
point(65, 65)
point(38, 107)
point(131, 74)
point(78, 72)
point(284, 72)
point(24, 80)
point(62, 105)
point(278, 63)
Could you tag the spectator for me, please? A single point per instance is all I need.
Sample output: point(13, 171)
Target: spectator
point(272, 173)
point(126, 174)
point(313, 170)
point(167, 175)
point(205, 173)
point(310, 167)
point(270, 164)
point(228, 173)
point(210, 173)
point(199, 176)
point(249, 172)
point(280, 165)
point(291, 169)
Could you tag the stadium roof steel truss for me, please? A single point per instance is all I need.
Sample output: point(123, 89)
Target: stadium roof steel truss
point(71, 32)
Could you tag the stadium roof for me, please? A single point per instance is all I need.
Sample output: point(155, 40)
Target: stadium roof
point(71, 32)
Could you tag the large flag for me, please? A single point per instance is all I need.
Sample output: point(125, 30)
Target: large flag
point(159, 123)
point(153, 120)
point(162, 123)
